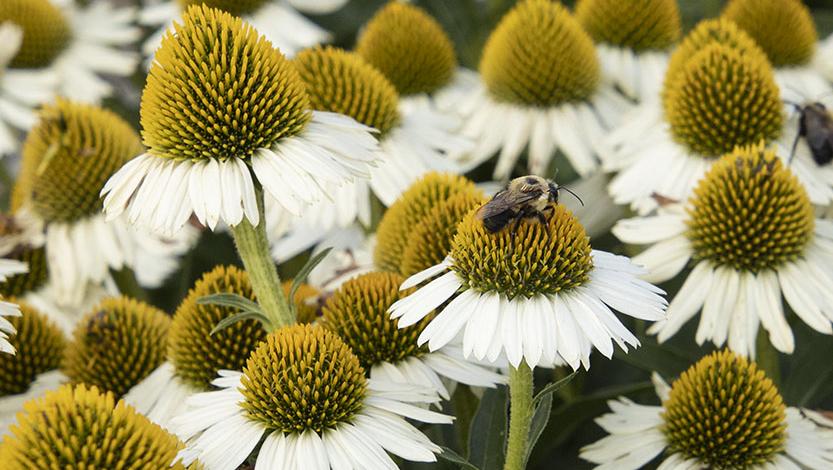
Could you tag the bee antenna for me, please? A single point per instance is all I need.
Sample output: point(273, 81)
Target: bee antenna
point(793, 104)
point(571, 192)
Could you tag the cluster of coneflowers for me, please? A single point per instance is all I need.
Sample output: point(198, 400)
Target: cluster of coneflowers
point(250, 124)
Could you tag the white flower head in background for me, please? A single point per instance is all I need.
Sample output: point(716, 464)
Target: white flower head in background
point(666, 146)
point(78, 45)
point(722, 396)
point(634, 39)
point(282, 21)
point(33, 369)
point(533, 290)
point(21, 89)
point(305, 391)
point(542, 88)
point(786, 32)
point(358, 313)
point(750, 231)
point(243, 123)
point(67, 159)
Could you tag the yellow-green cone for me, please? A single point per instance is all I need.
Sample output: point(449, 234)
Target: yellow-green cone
point(218, 89)
point(783, 28)
point(235, 7)
point(195, 353)
point(725, 413)
point(640, 25)
point(68, 157)
point(46, 31)
point(342, 82)
point(35, 258)
point(116, 345)
point(538, 55)
point(409, 47)
point(750, 212)
point(81, 428)
point(39, 344)
point(403, 216)
point(540, 259)
point(301, 378)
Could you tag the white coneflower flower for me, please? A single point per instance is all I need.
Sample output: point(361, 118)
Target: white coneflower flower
point(30, 372)
point(194, 355)
point(824, 59)
point(79, 45)
point(535, 292)
point(21, 90)
point(410, 143)
point(750, 231)
point(358, 313)
point(634, 39)
point(86, 427)
point(8, 268)
point(242, 125)
point(67, 158)
point(723, 412)
point(665, 147)
point(280, 21)
point(304, 390)
point(787, 34)
point(413, 51)
point(541, 87)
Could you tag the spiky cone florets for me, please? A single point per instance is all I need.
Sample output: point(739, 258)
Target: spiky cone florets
point(46, 32)
point(540, 259)
point(197, 355)
point(116, 345)
point(218, 89)
point(79, 427)
point(721, 99)
point(750, 212)
point(429, 241)
point(39, 344)
point(300, 378)
point(68, 157)
point(17, 285)
point(409, 47)
point(538, 55)
point(725, 413)
point(342, 82)
point(783, 28)
point(305, 300)
point(402, 216)
point(358, 313)
point(638, 25)
point(234, 7)
point(718, 30)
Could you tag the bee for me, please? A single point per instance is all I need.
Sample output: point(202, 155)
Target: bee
point(816, 126)
point(523, 198)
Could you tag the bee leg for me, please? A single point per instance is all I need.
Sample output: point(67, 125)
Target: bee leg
point(795, 145)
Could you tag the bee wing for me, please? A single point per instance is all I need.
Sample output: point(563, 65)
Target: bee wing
point(504, 201)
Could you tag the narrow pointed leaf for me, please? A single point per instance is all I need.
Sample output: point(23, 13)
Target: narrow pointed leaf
point(240, 316)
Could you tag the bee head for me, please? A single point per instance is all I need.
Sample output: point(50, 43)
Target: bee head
point(553, 191)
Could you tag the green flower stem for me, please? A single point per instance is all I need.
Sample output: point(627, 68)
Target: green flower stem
point(520, 416)
point(253, 248)
point(767, 357)
point(127, 284)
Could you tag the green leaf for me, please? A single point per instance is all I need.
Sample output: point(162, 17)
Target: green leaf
point(302, 275)
point(456, 458)
point(230, 300)
point(540, 418)
point(240, 316)
point(552, 387)
point(464, 407)
point(487, 437)
point(662, 358)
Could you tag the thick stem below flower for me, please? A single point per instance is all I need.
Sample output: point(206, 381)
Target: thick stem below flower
point(253, 248)
point(520, 416)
